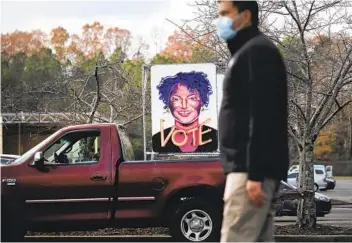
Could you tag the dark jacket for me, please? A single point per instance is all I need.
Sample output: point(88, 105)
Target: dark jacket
point(253, 113)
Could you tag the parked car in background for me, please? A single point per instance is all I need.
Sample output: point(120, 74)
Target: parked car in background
point(320, 181)
point(320, 176)
point(290, 198)
point(331, 184)
point(8, 158)
point(329, 173)
point(292, 178)
point(330, 179)
point(293, 168)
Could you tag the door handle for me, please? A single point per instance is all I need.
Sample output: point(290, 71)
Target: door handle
point(98, 177)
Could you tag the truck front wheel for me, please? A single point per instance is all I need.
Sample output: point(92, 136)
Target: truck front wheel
point(195, 220)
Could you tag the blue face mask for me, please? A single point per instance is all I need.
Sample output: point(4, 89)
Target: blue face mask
point(224, 28)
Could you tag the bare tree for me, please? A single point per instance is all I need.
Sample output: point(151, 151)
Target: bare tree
point(319, 67)
point(107, 94)
point(315, 40)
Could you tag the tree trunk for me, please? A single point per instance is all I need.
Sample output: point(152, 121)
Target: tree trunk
point(350, 135)
point(306, 212)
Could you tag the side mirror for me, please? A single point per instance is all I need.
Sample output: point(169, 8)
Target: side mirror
point(38, 159)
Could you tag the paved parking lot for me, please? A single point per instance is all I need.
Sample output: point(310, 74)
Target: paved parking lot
point(341, 215)
point(342, 191)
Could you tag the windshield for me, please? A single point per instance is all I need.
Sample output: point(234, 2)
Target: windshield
point(288, 185)
point(33, 150)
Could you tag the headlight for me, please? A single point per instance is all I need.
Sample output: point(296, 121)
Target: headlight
point(322, 198)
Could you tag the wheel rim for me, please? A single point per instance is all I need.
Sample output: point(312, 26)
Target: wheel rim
point(196, 225)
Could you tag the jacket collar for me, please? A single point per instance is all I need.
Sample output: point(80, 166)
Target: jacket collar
point(241, 38)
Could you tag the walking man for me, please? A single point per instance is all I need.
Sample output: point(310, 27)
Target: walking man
point(252, 125)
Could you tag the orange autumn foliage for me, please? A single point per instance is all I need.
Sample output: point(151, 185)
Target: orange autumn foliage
point(94, 39)
point(324, 145)
point(180, 46)
point(59, 37)
point(23, 41)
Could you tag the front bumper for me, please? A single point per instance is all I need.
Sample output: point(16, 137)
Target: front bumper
point(331, 185)
point(290, 208)
point(323, 207)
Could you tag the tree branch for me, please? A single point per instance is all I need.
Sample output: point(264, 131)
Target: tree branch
point(97, 97)
point(79, 98)
point(340, 75)
point(338, 109)
point(293, 133)
point(296, 76)
point(300, 109)
point(132, 120)
point(190, 36)
point(349, 81)
point(309, 15)
point(293, 16)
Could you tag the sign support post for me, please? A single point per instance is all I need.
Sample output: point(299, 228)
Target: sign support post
point(145, 72)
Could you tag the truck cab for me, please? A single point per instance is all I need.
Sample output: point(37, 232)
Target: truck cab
point(85, 177)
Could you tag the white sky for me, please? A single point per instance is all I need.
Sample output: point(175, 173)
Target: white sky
point(144, 18)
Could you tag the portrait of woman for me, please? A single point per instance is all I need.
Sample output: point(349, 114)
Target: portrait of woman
point(185, 95)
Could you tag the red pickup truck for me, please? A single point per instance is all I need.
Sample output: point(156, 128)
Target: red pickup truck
point(83, 177)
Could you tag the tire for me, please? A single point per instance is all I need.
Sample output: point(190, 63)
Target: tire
point(316, 187)
point(204, 217)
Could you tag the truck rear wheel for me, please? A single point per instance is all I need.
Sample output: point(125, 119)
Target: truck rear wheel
point(195, 220)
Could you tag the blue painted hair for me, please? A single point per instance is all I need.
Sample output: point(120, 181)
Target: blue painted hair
point(192, 80)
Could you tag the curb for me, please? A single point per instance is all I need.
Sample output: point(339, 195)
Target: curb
point(340, 202)
point(96, 238)
point(164, 238)
point(313, 238)
point(349, 205)
point(343, 177)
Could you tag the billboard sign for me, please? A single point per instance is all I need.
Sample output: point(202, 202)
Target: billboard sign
point(184, 108)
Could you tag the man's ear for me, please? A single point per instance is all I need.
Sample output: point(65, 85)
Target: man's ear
point(247, 17)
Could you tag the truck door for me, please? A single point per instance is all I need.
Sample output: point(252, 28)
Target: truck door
point(75, 181)
point(135, 188)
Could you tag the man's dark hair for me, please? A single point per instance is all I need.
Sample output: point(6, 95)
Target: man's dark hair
point(252, 6)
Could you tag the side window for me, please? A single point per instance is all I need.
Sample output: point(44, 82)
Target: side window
point(319, 172)
point(293, 175)
point(5, 161)
point(82, 147)
point(126, 146)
